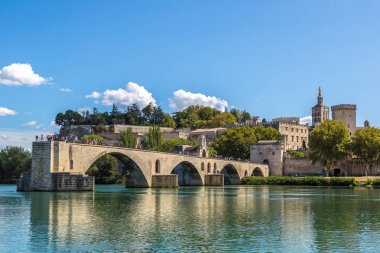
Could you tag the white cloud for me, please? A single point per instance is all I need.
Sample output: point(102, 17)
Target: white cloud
point(65, 90)
point(53, 125)
point(182, 99)
point(132, 94)
point(32, 123)
point(4, 137)
point(6, 111)
point(19, 74)
point(306, 120)
point(94, 95)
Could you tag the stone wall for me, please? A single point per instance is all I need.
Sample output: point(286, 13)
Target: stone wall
point(67, 182)
point(301, 167)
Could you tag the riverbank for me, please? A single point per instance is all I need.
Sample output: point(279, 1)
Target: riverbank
point(312, 181)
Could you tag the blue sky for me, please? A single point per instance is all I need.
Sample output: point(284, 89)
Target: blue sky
point(267, 57)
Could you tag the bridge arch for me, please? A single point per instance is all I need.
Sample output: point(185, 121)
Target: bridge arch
point(188, 174)
point(134, 175)
point(257, 172)
point(231, 176)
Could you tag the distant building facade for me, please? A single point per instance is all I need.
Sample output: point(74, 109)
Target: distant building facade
point(345, 113)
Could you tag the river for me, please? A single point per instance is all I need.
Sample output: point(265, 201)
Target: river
point(191, 219)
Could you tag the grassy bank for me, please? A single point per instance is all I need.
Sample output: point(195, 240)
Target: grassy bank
point(287, 180)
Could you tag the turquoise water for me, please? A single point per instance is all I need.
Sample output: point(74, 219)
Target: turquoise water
point(193, 219)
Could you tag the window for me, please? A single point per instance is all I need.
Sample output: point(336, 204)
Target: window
point(292, 129)
point(292, 138)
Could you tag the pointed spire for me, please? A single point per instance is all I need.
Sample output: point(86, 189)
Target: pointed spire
point(320, 97)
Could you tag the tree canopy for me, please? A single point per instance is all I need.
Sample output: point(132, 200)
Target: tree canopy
point(197, 116)
point(150, 115)
point(329, 142)
point(106, 170)
point(192, 117)
point(128, 139)
point(170, 144)
point(13, 162)
point(366, 146)
point(235, 142)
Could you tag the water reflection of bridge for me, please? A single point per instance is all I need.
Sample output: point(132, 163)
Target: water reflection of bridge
point(54, 165)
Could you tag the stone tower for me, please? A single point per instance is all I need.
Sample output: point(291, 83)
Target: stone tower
point(320, 112)
point(347, 114)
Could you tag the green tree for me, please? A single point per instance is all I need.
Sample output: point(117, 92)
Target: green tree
point(147, 113)
point(68, 118)
point(92, 138)
point(266, 133)
point(13, 162)
point(128, 139)
point(246, 116)
point(235, 142)
point(170, 144)
point(105, 170)
point(222, 120)
point(328, 142)
point(154, 139)
point(133, 115)
point(366, 146)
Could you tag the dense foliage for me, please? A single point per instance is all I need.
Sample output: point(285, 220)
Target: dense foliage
point(13, 162)
point(197, 116)
point(128, 139)
point(287, 180)
point(235, 142)
point(106, 170)
point(366, 146)
point(193, 117)
point(150, 115)
point(169, 145)
point(329, 142)
point(296, 154)
point(92, 138)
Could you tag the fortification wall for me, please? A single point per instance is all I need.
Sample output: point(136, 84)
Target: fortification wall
point(301, 167)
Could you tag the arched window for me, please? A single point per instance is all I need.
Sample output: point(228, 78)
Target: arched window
point(215, 168)
point(208, 168)
point(158, 167)
point(203, 166)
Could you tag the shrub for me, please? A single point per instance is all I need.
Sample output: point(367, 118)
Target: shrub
point(287, 180)
point(295, 153)
point(376, 182)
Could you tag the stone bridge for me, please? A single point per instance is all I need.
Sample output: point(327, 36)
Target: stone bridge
point(58, 162)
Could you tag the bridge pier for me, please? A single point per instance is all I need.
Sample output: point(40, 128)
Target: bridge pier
point(214, 180)
point(165, 181)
